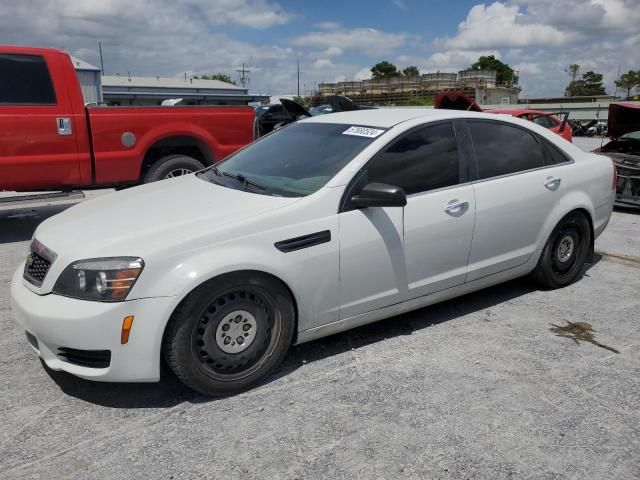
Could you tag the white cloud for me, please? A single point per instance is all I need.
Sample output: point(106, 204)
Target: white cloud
point(400, 4)
point(363, 74)
point(367, 40)
point(500, 25)
point(323, 64)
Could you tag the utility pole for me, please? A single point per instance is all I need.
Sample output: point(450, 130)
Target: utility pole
point(244, 75)
point(298, 77)
point(101, 61)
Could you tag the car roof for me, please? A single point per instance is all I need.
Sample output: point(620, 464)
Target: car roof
point(389, 117)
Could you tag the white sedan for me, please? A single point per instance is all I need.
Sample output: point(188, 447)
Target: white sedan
point(327, 224)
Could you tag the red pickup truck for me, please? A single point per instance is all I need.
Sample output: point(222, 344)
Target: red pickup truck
point(50, 140)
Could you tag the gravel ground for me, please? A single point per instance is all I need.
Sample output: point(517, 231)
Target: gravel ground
point(477, 387)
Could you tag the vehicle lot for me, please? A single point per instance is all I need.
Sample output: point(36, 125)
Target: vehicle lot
point(477, 387)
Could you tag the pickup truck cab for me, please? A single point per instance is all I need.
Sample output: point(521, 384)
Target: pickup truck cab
point(49, 138)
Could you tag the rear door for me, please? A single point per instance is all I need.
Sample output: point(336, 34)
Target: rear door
point(515, 192)
point(38, 147)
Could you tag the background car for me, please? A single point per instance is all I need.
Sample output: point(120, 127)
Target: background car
point(544, 119)
point(624, 149)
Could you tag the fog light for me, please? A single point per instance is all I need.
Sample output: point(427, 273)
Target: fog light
point(127, 323)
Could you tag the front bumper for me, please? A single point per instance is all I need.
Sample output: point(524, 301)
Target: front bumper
point(59, 322)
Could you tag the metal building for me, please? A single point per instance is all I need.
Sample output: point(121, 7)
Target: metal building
point(124, 90)
point(89, 78)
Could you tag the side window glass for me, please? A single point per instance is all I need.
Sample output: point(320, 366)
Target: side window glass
point(424, 159)
point(502, 149)
point(554, 155)
point(25, 80)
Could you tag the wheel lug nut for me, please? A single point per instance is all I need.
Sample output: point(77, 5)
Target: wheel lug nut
point(227, 340)
point(246, 328)
point(225, 327)
point(240, 340)
point(238, 318)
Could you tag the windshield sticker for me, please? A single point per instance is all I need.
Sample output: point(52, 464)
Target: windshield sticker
point(363, 132)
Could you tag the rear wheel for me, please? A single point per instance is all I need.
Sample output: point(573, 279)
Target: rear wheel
point(172, 166)
point(565, 252)
point(230, 333)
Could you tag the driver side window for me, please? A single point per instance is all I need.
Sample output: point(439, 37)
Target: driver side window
point(423, 159)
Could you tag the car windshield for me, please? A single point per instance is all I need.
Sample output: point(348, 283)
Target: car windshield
point(294, 161)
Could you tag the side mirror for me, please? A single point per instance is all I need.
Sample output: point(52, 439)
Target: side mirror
point(380, 195)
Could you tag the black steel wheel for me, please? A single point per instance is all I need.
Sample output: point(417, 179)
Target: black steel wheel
point(229, 333)
point(565, 252)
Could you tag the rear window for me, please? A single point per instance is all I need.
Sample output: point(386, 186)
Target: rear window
point(502, 149)
point(25, 80)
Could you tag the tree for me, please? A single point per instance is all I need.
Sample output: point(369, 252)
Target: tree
point(573, 71)
point(505, 74)
point(223, 77)
point(628, 81)
point(384, 69)
point(411, 71)
point(590, 84)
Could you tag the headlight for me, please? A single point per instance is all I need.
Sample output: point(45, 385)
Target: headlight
point(100, 279)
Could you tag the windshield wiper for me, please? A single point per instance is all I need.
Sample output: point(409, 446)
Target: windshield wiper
point(245, 181)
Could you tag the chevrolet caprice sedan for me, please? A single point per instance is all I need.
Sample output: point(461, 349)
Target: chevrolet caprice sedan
point(324, 225)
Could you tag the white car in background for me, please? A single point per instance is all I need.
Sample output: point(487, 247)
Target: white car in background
point(329, 223)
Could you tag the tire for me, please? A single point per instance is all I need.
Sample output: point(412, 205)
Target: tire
point(229, 333)
point(172, 166)
point(565, 253)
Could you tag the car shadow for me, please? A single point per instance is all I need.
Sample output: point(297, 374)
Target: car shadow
point(19, 225)
point(170, 391)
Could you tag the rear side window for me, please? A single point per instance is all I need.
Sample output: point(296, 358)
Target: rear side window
point(554, 155)
point(424, 159)
point(503, 149)
point(25, 80)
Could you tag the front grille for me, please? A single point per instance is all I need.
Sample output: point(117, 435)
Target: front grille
point(38, 263)
point(37, 267)
point(86, 358)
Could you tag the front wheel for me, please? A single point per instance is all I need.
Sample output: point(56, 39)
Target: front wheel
point(565, 253)
point(230, 333)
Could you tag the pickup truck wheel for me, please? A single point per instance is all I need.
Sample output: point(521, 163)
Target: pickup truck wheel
point(172, 166)
point(230, 333)
point(565, 252)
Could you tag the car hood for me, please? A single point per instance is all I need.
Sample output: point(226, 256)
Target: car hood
point(623, 118)
point(150, 218)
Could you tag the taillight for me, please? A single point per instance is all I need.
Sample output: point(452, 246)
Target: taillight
point(615, 176)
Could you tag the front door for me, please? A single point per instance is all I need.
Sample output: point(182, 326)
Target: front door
point(38, 143)
point(390, 255)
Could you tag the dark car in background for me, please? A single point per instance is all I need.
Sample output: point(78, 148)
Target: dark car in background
point(624, 150)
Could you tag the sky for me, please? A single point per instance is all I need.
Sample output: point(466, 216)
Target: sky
point(334, 40)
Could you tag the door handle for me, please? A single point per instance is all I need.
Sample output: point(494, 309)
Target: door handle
point(456, 206)
point(64, 126)
point(552, 183)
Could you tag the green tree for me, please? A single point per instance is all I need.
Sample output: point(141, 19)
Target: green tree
point(590, 84)
point(573, 71)
point(223, 77)
point(384, 69)
point(628, 81)
point(411, 71)
point(505, 74)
